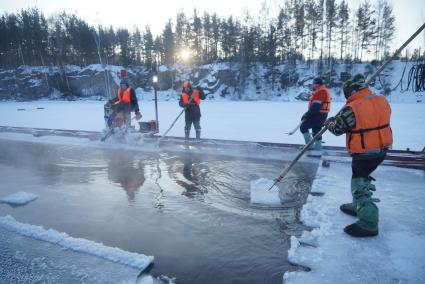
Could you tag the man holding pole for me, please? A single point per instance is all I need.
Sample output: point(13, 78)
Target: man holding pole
point(190, 100)
point(366, 121)
point(318, 109)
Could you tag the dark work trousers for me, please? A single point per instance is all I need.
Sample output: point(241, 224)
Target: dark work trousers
point(363, 165)
point(194, 121)
point(315, 122)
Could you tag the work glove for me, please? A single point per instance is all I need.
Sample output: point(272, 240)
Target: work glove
point(138, 115)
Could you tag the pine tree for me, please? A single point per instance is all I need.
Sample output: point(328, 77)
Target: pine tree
point(299, 25)
point(342, 25)
point(58, 41)
point(365, 27)
point(197, 36)
point(137, 46)
point(321, 23)
point(311, 19)
point(384, 28)
point(4, 42)
point(168, 43)
point(207, 37)
point(263, 26)
point(215, 28)
point(110, 44)
point(158, 53)
point(271, 52)
point(331, 14)
point(124, 44)
point(148, 47)
point(181, 23)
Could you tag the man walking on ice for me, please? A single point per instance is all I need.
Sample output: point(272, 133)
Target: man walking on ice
point(366, 121)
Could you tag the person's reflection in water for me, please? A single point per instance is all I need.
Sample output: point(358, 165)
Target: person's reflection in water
point(124, 170)
point(192, 171)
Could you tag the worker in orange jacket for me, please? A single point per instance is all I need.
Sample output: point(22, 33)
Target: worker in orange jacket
point(366, 121)
point(126, 102)
point(190, 99)
point(318, 108)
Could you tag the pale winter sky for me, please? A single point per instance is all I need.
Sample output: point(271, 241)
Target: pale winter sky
point(410, 14)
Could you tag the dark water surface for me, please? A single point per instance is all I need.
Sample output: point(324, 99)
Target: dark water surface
point(191, 211)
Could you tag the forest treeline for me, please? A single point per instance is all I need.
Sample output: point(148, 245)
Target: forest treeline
point(327, 30)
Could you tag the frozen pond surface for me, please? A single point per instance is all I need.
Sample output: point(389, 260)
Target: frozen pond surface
point(191, 211)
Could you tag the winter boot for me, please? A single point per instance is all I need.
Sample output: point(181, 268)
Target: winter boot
point(355, 230)
point(307, 137)
point(198, 134)
point(349, 209)
point(317, 145)
point(186, 134)
point(366, 209)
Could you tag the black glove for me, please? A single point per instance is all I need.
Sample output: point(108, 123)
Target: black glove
point(304, 117)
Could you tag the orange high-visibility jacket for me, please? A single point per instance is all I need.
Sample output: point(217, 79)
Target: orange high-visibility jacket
point(322, 94)
point(126, 98)
point(195, 95)
point(372, 130)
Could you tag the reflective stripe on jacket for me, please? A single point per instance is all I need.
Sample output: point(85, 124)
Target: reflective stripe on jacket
point(372, 130)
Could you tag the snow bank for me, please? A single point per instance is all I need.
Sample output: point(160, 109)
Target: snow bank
point(397, 255)
point(149, 279)
point(27, 260)
point(113, 254)
point(261, 195)
point(19, 198)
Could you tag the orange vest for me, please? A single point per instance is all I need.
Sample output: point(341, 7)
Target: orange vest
point(322, 94)
point(195, 96)
point(372, 130)
point(126, 98)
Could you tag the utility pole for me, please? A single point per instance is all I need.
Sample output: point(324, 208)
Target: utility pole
point(155, 86)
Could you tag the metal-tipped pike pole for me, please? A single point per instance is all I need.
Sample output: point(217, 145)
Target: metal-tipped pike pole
point(171, 126)
point(295, 160)
point(323, 130)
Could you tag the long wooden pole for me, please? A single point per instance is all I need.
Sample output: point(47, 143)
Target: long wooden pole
point(171, 126)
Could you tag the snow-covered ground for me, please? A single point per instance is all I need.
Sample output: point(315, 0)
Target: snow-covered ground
point(28, 260)
point(397, 255)
point(251, 121)
point(136, 260)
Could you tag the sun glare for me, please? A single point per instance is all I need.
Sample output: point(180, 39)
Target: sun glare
point(185, 54)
